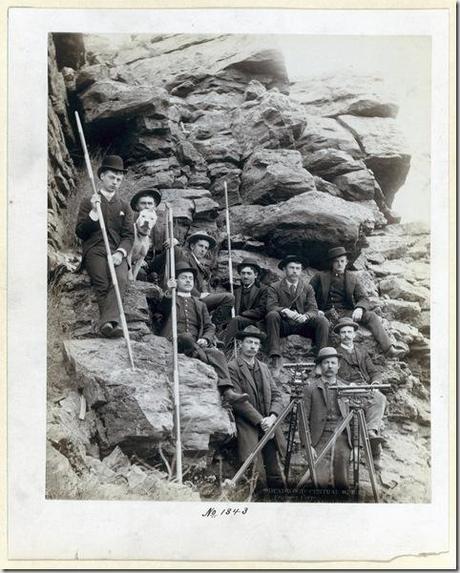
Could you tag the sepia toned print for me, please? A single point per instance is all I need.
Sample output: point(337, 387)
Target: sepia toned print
point(234, 241)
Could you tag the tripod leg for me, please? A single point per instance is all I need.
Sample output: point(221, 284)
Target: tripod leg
point(290, 440)
point(368, 454)
point(327, 447)
point(305, 438)
point(356, 445)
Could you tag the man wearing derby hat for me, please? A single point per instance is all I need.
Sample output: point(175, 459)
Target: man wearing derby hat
point(339, 293)
point(250, 300)
point(256, 416)
point(356, 367)
point(199, 245)
point(195, 330)
point(325, 411)
point(292, 309)
point(119, 224)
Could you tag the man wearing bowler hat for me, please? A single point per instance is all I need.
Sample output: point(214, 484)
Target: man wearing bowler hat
point(119, 224)
point(325, 411)
point(250, 300)
point(195, 330)
point(256, 416)
point(195, 255)
point(339, 293)
point(356, 367)
point(292, 309)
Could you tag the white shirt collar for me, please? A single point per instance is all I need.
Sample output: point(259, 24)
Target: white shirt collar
point(349, 348)
point(184, 294)
point(107, 195)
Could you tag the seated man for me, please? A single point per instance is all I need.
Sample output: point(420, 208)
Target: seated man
point(324, 412)
point(339, 293)
point(291, 309)
point(356, 367)
point(195, 329)
point(255, 416)
point(119, 224)
point(250, 300)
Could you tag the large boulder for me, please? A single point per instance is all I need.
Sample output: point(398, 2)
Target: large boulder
point(386, 151)
point(272, 121)
point(135, 407)
point(327, 133)
point(274, 175)
point(307, 224)
point(341, 94)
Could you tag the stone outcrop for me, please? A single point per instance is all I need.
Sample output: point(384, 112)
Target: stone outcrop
point(307, 166)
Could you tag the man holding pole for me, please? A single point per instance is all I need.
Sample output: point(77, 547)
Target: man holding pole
point(255, 416)
point(195, 331)
point(119, 225)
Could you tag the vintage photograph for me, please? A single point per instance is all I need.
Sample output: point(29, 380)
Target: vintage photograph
point(239, 268)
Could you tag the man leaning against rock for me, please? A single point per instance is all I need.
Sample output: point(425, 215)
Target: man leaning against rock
point(195, 330)
point(339, 293)
point(119, 224)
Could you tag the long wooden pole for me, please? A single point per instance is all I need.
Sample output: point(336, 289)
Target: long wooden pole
point(113, 274)
point(229, 244)
point(172, 275)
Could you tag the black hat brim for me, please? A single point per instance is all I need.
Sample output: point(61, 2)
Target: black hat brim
point(242, 335)
point(198, 237)
point(283, 263)
point(319, 360)
point(338, 327)
point(135, 198)
point(254, 266)
point(108, 168)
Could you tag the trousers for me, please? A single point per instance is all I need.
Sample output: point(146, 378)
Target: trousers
point(278, 327)
point(332, 471)
point(186, 345)
point(374, 410)
point(98, 269)
point(215, 300)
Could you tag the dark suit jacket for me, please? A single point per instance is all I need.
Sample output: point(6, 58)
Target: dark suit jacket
point(279, 296)
point(257, 302)
point(367, 368)
point(118, 220)
point(247, 417)
point(206, 329)
point(355, 295)
point(315, 404)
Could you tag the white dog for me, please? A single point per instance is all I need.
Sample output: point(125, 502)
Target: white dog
point(142, 230)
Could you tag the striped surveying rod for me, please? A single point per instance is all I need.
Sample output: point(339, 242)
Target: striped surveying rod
point(113, 274)
point(172, 275)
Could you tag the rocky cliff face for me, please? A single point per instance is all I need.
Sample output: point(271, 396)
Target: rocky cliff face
point(308, 166)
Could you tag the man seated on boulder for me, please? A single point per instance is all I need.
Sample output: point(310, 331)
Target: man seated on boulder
point(325, 411)
point(118, 220)
point(250, 300)
point(195, 329)
point(256, 416)
point(356, 367)
point(291, 309)
point(339, 293)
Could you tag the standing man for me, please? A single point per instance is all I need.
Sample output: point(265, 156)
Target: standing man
point(324, 412)
point(256, 416)
point(119, 224)
point(250, 300)
point(292, 309)
point(356, 367)
point(195, 255)
point(339, 293)
point(195, 330)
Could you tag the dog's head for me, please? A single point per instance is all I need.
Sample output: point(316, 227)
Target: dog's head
point(146, 221)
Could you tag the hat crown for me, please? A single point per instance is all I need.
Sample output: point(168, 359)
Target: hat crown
point(248, 262)
point(201, 236)
point(326, 352)
point(336, 252)
point(183, 267)
point(291, 259)
point(251, 329)
point(114, 162)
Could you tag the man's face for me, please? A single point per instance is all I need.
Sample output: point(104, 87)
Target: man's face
point(111, 180)
point(185, 282)
point(250, 346)
point(339, 264)
point(293, 271)
point(146, 202)
point(347, 335)
point(200, 248)
point(330, 367)
point(248, 275)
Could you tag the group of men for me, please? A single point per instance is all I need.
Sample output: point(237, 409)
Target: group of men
point(263, 315)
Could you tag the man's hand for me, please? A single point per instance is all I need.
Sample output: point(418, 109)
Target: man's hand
point(202, 342)
point(357, 314)
point(267, 423)
point(167, 244)
point(172, 283)
point(204, 294)
point(117, 258)
point(288, 312)
point(300, 318)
